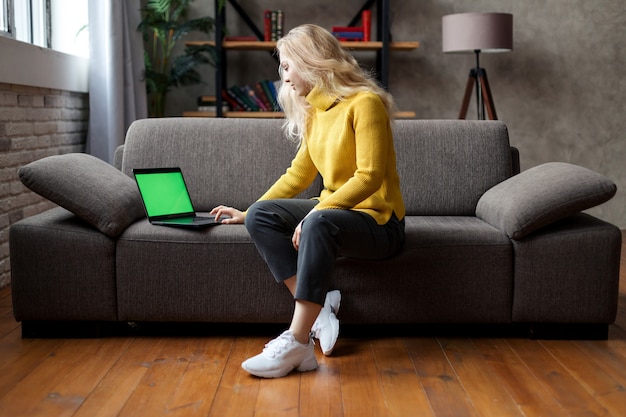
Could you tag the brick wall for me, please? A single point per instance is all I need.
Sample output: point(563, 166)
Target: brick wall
point(34, 123)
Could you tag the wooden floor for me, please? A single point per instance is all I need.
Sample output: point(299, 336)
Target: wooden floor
point(369, 376)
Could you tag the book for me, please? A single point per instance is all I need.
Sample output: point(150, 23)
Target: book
point(212, 108)
point(273, 24)
point(275, 86)
point(232, 103)
point(366, 21)
point(270, 94)
point(267, 25)
point(207, 100)
point(347, 29)
point(260, 92)
point(280, 24)
point(349, 35)
point(273, 21)
point(240, 98)
point(252, 96)
point(243, 94)
point(261, 96)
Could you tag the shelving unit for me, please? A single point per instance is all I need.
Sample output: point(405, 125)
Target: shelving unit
point(382, 46)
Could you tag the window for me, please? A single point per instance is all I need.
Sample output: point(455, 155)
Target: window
point(32, 22)
point(57, 24)
point(5, 14)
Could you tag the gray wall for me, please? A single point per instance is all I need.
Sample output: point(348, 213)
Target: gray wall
point(561, 90)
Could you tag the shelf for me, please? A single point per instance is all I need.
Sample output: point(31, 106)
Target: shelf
point(270, 114)
point(270, 46)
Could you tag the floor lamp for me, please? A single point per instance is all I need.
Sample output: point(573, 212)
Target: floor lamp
point(476, 33)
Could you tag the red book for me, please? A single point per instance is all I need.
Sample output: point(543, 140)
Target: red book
point(231, 102)
point(267, 25)
point(347, 29)
point(366, 19)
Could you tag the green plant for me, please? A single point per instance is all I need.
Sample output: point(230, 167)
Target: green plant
point(163, 24)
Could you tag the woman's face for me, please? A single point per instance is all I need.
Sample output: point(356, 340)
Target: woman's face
point(293, 79)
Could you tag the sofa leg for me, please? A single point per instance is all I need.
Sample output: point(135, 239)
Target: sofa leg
point(42, 329)
point(567, 331)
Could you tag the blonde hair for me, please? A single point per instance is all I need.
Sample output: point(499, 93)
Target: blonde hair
point(321, 62)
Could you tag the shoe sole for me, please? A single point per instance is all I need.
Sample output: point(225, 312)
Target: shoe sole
point(334, 324)
point(308, 365)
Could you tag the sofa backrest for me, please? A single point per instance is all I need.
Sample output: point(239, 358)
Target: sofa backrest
point(444, 165)
point(224, 161)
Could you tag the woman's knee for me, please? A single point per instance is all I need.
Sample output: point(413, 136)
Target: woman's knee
point(254, 212)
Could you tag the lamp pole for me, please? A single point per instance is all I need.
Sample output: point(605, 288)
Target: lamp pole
point(480, 109)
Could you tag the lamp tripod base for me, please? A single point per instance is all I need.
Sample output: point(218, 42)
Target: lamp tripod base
point(484, 99)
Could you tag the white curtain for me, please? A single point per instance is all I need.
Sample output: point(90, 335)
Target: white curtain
point(117, 94)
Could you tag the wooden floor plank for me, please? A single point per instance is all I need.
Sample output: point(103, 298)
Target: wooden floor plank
point(20, 357)
point(479, 380)
point(110, 396)
point(608, 390)
point(441, 384)
point(279, 397)
point(5, 297)
point(194, 395)
point(66, 397)
point(557, 379)
point(360, 386)
point(37, 393)
point(320, 391)
point(609, 354)
point(164, 375)
point(7, 322)
point(238, 390)
point(402, 389)
point(525, 389)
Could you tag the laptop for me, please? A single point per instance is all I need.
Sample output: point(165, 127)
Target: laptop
point(166, 199)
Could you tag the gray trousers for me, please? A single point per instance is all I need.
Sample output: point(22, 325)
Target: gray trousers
point(326, 234)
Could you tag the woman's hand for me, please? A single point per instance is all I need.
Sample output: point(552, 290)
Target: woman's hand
point(236, 216)
point(295, 239)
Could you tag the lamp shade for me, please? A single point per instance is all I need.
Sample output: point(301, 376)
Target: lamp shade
point(485, 32)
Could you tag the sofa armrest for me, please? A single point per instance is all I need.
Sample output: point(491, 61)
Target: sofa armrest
point(542, 195)
point(515, 164)
point(117, 157)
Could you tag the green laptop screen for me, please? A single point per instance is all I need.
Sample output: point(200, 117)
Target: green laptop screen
point(164, 193)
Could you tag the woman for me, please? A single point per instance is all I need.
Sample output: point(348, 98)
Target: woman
point(341, 119)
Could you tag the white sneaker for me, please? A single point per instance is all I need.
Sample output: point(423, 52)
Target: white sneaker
point(281, 356)
point(326, 326)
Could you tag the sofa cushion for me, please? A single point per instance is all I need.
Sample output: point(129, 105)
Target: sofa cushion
point(542, 195)
point(88, 187)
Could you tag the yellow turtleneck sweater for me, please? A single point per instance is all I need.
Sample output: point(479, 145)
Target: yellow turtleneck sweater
point(350, 144)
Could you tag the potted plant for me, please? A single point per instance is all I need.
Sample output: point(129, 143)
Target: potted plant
point(163, 24)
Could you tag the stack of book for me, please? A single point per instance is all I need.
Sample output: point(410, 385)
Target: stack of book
point(258, 97)
point(209, 104)
point(356, 33)
point(273, 24)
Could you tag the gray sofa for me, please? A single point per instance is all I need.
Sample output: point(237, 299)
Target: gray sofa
point(483, 245)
